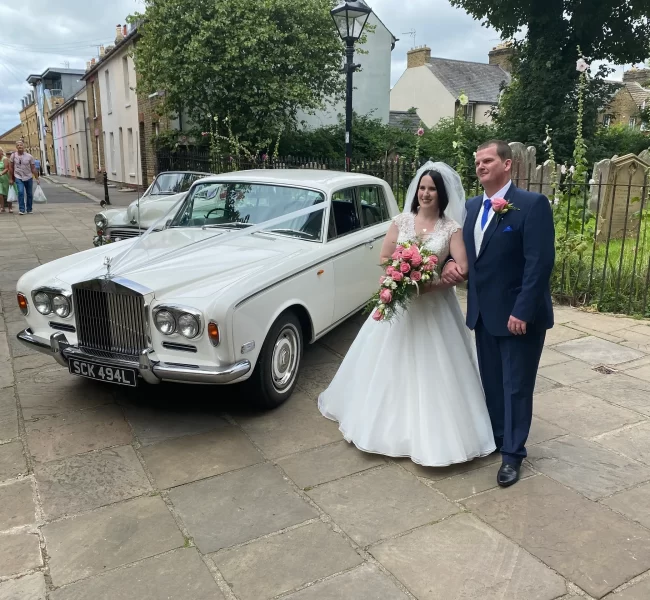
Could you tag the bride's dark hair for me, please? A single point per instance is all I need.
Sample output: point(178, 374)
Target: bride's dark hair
point(443, 199)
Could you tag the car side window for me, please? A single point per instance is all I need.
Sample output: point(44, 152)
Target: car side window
point(373, 205)
point(344, 215)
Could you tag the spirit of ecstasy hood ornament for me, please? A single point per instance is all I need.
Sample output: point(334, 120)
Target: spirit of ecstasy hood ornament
point(107, 263)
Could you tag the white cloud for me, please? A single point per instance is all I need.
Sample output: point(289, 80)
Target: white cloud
point(56, 34)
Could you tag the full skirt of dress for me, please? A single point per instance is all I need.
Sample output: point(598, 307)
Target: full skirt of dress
point(411, 387)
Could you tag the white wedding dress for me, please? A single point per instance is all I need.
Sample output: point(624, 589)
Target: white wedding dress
point(411, 387)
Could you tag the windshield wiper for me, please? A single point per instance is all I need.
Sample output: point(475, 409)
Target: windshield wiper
point(235, 224)
point(303, 234)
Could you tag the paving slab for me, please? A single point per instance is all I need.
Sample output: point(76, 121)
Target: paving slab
point(380, 503)
point(245, 505)
point(32, 362)
point(153, 424)
point(8, 414)
point(473, 482)
point(110, 537)
point(12, 460)
point(53, 391)
point(602, 322)
point(580, 413)
point(366, 582)
point(622, 390)
point(295, 426)
point(587, 467)
point(52, 438)
point(29, 587)
point(552, 357)
point(437, 473)
point(182, 460)
point(88, 481)
point(543, 385)
point(177, 575)
point(637, 591)
point(561, 333)
point(315, 379)
point(17, 506)
point(633, 442)
point(633, 503)
point(567, 532)
point(286, 561)
point(464, 558)
point(569, 373)
point(542, 431)
point(19, 552)
point(317, 354)
point(642, 373)
point(327, 463)
point(596, 351)
point(341, 338)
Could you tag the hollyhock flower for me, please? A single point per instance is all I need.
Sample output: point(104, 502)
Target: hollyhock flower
point(581, 65)
point(416, 276)
point(204, 133)
point(563, 169)
point(385, 296)
point(420, 131)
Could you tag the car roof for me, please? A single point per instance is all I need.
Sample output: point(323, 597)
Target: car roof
point(319, 178)
point(187, 172)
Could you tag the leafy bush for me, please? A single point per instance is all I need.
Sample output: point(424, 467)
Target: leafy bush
point(617, 140)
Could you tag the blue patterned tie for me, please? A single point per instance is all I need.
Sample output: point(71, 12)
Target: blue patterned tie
point(487, 204)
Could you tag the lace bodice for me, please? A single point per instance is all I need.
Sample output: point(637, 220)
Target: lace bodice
point(437, 242)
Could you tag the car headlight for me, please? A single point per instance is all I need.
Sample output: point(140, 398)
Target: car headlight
point(43, 303)
point(165, 322)
point(100, 221)
point(188, 326)
point(61, 305)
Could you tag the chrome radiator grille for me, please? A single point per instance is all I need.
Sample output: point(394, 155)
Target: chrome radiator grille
point(126, 233)
point(110, 322)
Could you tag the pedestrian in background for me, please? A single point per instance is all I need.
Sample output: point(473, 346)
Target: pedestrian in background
point(4, 181)
point(22, 171)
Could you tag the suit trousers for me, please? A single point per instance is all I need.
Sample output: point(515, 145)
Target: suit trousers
point(508, 367)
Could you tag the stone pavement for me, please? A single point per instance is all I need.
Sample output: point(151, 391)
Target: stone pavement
point(182, 493)
point(93, 191)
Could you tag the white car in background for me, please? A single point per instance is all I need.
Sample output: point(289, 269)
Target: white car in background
point(252, 266)
point(167, 189)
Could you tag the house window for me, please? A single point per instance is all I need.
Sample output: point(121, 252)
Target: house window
point(632, 122)
point(109, 102)
point(607, 120)
point(156, 129)
point(127, 88)
point(468, 112)
point(99, 156)
point(112, 138)
point(74, 116)
point(94, 99)
point(129, 141)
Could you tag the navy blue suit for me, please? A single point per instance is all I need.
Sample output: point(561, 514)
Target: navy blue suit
point(510, 276)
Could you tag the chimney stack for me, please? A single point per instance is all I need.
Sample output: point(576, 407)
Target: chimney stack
point(102, 51)
point(93, 62)
point(125, 31)
point(640, 76)
point(418, 57)
point(87, 65)
point(23, 103)
point(119, 36)
point(501, 55)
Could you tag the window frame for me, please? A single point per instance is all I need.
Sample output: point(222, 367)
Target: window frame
point(383, 205)
point(332, 233)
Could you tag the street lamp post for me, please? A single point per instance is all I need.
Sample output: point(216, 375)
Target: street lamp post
point(350, 18)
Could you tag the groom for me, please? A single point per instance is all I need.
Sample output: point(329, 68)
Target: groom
point(509, 237)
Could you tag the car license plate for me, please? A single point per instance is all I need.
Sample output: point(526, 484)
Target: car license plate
point(99, 372)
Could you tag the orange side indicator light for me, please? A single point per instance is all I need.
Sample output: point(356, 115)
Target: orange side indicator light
point(320, 272)
point(213, 333)
point(22, 303)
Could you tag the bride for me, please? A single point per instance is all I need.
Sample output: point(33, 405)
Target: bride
point(411, 387)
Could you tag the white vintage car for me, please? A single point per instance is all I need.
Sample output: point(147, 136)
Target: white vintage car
point(167, 190)
point(253, 265)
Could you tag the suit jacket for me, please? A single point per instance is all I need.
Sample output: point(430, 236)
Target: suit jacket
point(512, 272)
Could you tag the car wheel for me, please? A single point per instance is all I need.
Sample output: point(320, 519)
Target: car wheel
point(277, 366)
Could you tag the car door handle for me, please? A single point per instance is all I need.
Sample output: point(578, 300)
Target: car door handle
point(370, 245)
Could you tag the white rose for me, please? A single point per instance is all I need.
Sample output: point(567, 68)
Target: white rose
point(393, 285)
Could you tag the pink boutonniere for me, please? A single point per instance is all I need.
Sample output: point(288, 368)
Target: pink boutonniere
point(501, 206)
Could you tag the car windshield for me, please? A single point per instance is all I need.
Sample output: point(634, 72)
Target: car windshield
point(174, 183)
point(238, 205)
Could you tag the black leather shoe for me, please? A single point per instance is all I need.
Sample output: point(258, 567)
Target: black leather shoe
point(508, 474)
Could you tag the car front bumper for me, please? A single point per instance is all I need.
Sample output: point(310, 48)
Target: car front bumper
point(150, 370)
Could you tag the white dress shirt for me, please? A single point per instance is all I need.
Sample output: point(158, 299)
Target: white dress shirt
point(478, 232)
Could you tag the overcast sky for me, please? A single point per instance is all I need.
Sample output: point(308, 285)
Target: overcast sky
point(39, 34)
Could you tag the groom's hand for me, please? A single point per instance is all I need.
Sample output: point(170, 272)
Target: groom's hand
point(516, 326)
point(452, 274)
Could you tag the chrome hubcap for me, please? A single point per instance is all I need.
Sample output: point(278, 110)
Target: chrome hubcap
point(284, 361)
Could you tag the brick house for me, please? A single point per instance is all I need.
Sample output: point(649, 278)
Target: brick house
point(95, 121)
point(9, 138)
point(627, 102)
point(29, 127)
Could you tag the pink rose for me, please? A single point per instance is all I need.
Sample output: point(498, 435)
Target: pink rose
point(377, 315)
point(385, 296)
point(433, 259)
point(390, 271)
point(405, 267)
point(382, 279)
point(416, 276)
point(396, 255)
point(397, 276)
point(498, 204)
point(407, 254)
point(416, 261)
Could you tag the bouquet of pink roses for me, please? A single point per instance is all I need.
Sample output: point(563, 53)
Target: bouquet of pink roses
point(410, 267)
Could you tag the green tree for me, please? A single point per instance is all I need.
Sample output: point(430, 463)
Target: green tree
point(246, 66)
point(544, 89)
